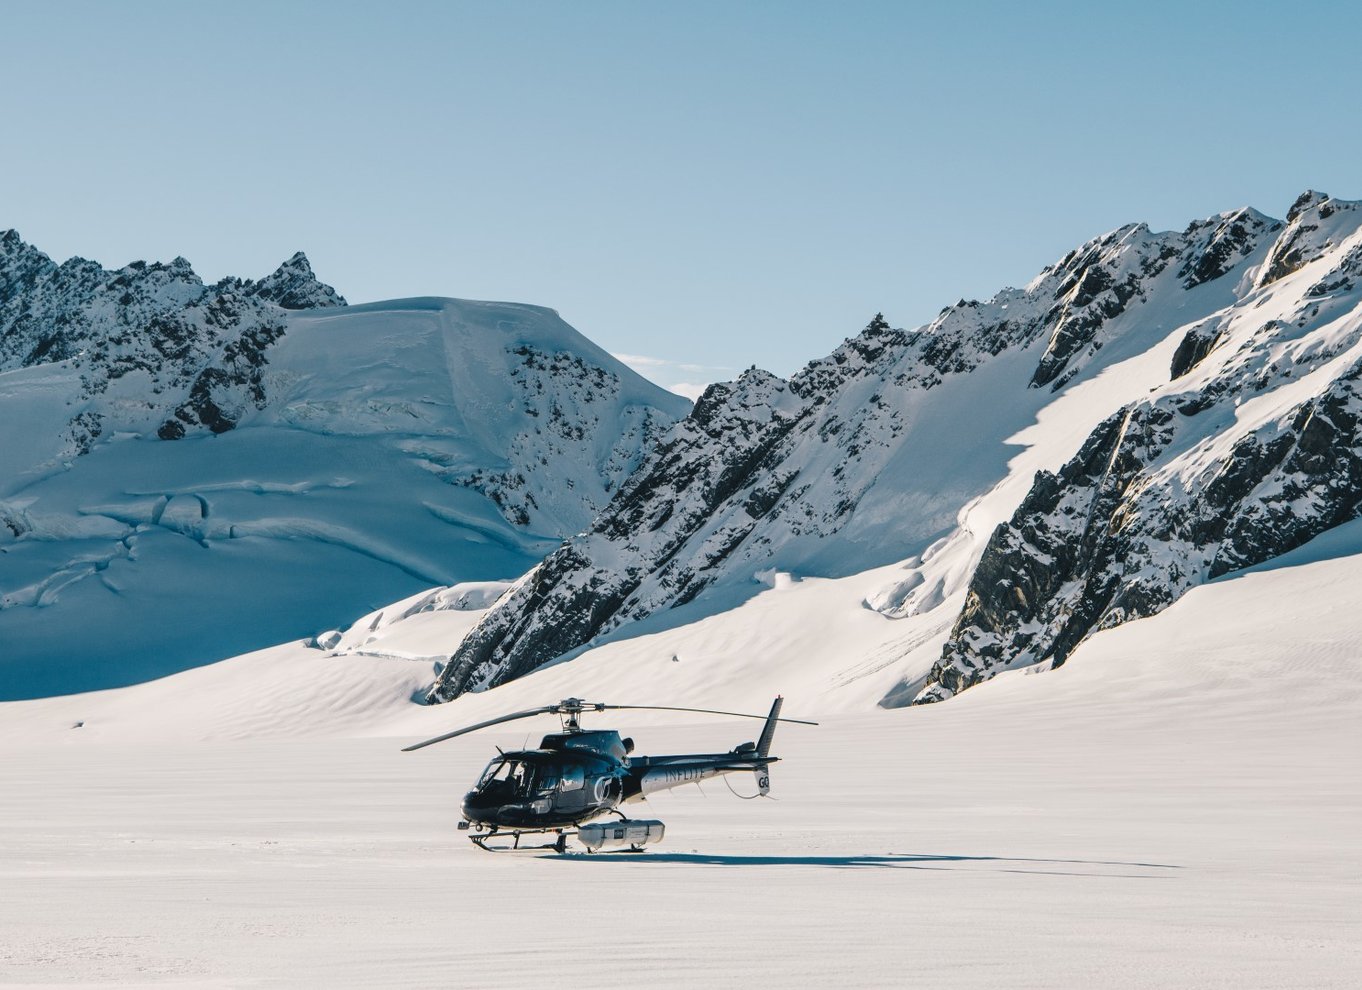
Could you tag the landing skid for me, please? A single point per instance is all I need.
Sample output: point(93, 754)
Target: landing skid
point(495, 840)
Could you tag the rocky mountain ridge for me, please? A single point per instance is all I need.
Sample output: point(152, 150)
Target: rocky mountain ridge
point(258, 449)
point(1252, 449)
point(192, 353)
point(842, 467)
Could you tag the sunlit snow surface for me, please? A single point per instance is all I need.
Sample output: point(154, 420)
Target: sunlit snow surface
point(361, 481)
point(1176, 806)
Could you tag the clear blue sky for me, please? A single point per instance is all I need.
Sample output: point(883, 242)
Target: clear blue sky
point(709, 184)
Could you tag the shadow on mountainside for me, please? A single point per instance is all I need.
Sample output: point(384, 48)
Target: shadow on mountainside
point(1344, 540)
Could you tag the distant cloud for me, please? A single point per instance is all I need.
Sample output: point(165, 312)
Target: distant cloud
point(684, 379)
point(690, 390)
point(639, 362)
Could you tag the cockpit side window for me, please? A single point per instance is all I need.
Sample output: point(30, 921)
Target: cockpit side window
point(522, 778)
point(573, 777)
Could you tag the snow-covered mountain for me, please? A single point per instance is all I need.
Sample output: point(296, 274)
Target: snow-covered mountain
point(1151, 411)
point(912, 516)
point(148, 347)
point(195, 470)
point(1253, 448)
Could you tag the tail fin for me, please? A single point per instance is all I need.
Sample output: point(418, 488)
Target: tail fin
point(769, 730)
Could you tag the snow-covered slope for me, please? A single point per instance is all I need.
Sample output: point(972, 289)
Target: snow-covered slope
point(1153, 410)
point(1170, 808)
point(1277, 640)
point(900, 446)
point(1135, 815)
point(1252, 449)
point(193, 471)
point(501, 398)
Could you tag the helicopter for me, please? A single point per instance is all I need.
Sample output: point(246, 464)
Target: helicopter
point(577, 775)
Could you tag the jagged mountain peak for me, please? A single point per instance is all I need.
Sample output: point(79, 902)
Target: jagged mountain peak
point(294, 286)
point(1153, 409)
point(322, 455)
point(1074, 300)
point(878, 450)
point(297, 262)
point(1316, 223)
point(12, 242)
point(154, 348)
point(1309, 199)
point(1249, 451)
point(754, 391)
point(20, 263)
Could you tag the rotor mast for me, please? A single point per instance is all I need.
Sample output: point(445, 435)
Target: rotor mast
point(569, 708)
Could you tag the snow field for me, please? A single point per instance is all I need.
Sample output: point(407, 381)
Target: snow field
point(1172, 807)
point(373, 472)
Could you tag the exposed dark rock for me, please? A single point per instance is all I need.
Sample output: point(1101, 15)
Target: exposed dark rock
point(1196, 344)
point(762, 465)
point(1116, 535)
point(202, 349)
point(1228, 244)
point(293, 286)
point(1312, 226)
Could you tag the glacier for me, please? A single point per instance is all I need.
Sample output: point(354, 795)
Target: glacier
point(351, 455)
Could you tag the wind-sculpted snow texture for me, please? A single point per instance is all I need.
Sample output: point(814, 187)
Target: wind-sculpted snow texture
point(864, 457)
point(1254, 448)
point(193, 471)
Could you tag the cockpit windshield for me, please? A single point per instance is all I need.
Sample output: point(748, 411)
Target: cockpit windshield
point(509, 777)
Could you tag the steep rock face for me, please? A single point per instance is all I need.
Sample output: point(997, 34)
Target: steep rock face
point(583, 435)
point(842, 467)
point(293, 286)
point(571, 596)
point(322, 458)
point(1253, 449)
point(1316, 225)
point(168, 346)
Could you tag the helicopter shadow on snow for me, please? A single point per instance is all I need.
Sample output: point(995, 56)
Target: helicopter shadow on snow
point(891, 861)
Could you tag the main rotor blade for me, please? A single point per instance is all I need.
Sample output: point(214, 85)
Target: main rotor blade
point(481, 725)
point(707, 711)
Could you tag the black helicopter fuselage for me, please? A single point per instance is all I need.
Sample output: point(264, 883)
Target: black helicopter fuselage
point(575, 776)
point(570, 778)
